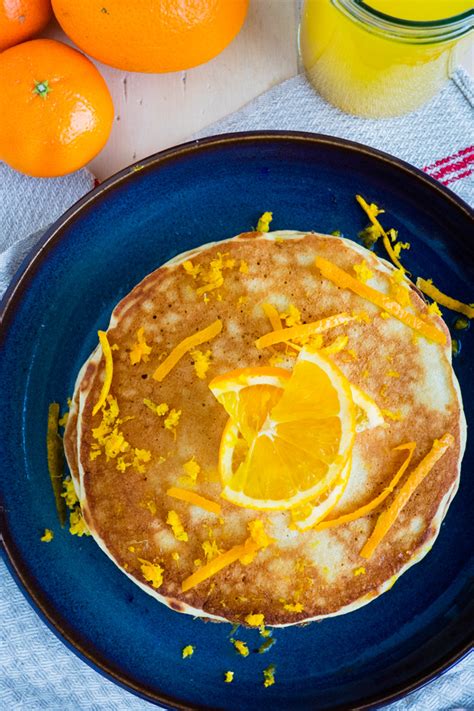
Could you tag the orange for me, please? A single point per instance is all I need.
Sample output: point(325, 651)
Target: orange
point(21, 19)
point(56, 112)
point(308, 515)
point(302, 442)
point(151, 35)
point(248, 394)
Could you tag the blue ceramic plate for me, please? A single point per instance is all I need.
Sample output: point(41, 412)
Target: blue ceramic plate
point(85, 264)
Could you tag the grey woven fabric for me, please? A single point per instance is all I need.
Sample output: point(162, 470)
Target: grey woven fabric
point(36, 670)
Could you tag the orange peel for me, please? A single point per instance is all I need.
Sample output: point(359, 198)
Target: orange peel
point(371, 505)
point(344, 280)
point(219, 563)
point(386, 239)
point(388, 517)
point(109, 371)
point(190, 497)
point(428, 288)
point(206, 334)
point(304, 330)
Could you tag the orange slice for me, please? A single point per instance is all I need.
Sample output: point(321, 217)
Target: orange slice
point(308, 515)
point(368, 413)
point(296, 448)
point(249, 408)
point(248, 394)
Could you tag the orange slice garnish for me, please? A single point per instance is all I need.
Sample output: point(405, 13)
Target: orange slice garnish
point(308, 515)
point(388, 517)
point(248, 394)
point(290, 445)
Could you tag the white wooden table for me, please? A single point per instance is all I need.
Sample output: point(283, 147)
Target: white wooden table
point(156, 111)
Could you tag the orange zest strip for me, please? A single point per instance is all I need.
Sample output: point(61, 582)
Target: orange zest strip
point(364, 510)
point(388, 517)
point(55, 451)
point(386, 239)
point(428, 288)
point(195, 499)
point(272, 314)
point(109, 371)
point(186, 345)
point(304, 330)
point(336, 346)
point(217, 564)
point(346, 281)
point(275, 321)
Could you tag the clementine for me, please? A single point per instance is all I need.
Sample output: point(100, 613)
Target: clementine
point(21, 19)
point(56, 112)
point(151, 35)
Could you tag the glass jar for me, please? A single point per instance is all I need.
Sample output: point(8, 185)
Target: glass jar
point(371, 64)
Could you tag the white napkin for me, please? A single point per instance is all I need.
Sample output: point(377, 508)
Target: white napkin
point(38, 672)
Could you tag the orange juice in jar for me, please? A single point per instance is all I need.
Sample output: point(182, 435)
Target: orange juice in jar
point(382, 57)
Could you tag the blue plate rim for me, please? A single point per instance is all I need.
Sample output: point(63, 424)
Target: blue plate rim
point(20, 282)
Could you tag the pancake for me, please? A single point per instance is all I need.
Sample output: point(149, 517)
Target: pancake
point(301, 576)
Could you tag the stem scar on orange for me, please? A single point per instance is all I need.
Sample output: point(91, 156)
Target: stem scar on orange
point(151, 35)
point(22, 19)
point(56, 112)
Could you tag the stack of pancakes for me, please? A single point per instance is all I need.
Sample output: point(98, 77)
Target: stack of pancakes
point(302, 575)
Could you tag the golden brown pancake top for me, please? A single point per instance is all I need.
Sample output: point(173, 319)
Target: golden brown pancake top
point(127, 510)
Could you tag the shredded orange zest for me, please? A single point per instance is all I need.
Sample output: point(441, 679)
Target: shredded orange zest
point(304, 330)
point(77, 524)
point(141, 350)
point(192, 269)
point(359, 571)
point(255, 620)
point(211, 549)
point(272, 314)
point(399, 289)
point(346, 281)
point(363, 273)
point(69, 494)
point(372, 211)
point(201, 361)
point(258, 534)
point(171, 422)
point(275, 321)
point(159, 410)
point(367, 508)
point(185, 346)
point(241, 647)
point(291, 316)
point(152, 572)
point(388, 517)
point(195, 499)
point(174, 521)
point(109, 371)
point(269, 676)
point(396, 416)
point(434, 310)
point(428, 288)
point(188, 651)
point(55, 453)
point(47, 536)
point(264, 222)
point(293, 607)
point(244, 267)
point(222, 561)
point(229, 677)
